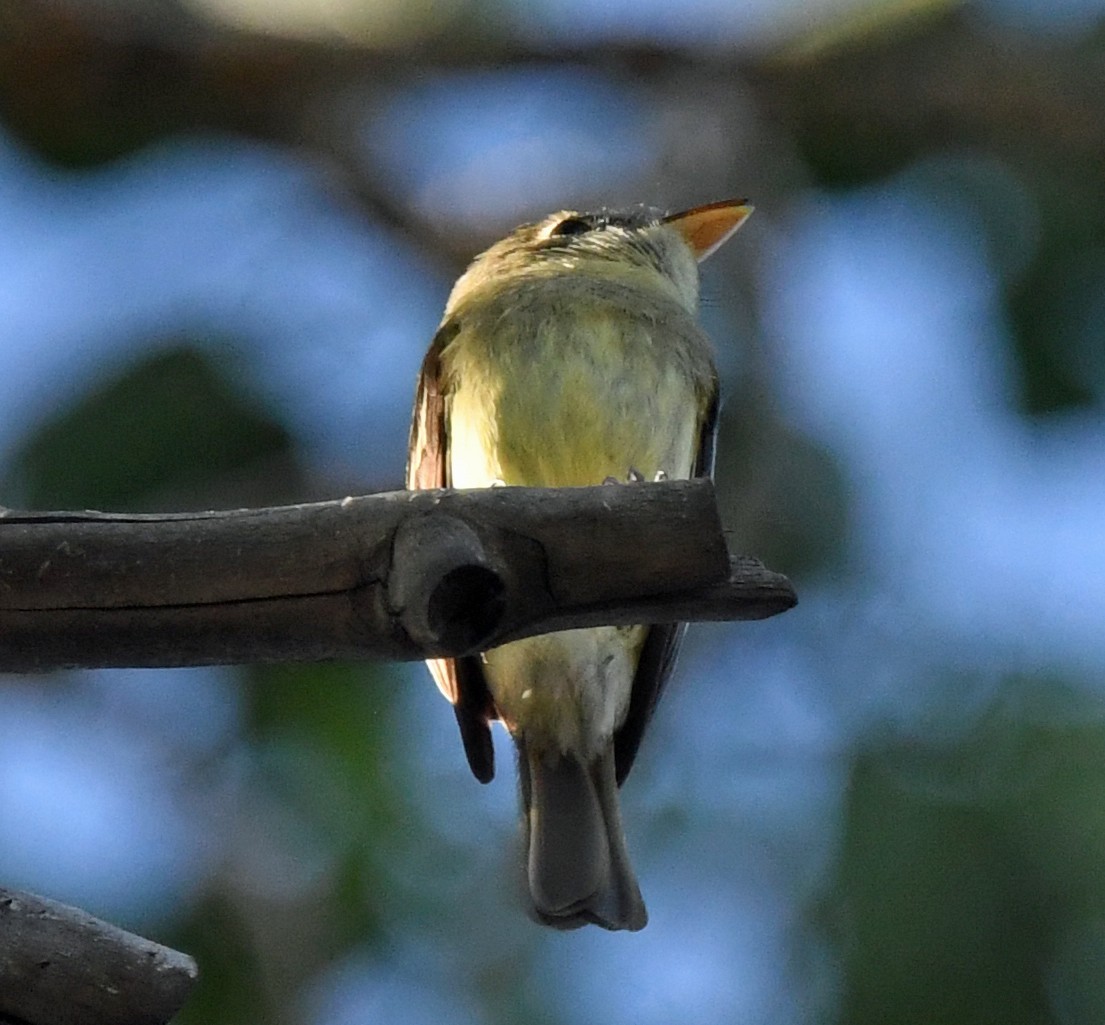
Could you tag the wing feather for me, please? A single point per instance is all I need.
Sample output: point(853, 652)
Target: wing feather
point(662, 641)
point(460, 680)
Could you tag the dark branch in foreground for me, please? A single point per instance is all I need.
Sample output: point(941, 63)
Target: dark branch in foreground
point(402, 575)
point(61, 966)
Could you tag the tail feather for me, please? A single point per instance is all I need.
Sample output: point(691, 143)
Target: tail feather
point(577, 865)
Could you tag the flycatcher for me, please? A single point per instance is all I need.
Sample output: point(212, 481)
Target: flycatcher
point(570, 354)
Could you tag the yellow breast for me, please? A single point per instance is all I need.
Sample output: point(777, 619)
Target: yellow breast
point(571, 405)
point(568, 398)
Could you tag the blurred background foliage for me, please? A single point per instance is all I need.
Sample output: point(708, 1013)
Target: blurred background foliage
point(227, 229)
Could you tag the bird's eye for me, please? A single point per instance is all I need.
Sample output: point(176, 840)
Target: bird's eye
point(572, 226)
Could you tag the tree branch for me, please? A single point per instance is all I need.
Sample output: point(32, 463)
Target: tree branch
point(403, 575)
point(61, 966)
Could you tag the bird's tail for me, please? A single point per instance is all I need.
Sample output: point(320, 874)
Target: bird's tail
point(577, 866)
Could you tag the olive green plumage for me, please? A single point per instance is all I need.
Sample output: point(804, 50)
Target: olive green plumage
point(570, 354)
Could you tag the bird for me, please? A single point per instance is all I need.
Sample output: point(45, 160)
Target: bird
point(570, 354)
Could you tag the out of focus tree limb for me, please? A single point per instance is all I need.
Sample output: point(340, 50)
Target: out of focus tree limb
point(97, 71)
point(61, 966)
point(403, 575)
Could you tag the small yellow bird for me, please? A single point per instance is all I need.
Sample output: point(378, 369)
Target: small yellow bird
point(570, 354)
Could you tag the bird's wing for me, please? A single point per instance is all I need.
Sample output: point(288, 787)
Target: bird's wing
point(662, 641)
point(461, 680)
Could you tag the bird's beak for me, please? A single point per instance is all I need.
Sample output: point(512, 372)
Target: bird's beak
point(707, 228)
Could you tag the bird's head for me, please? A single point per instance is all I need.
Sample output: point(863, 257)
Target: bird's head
point(642, 245)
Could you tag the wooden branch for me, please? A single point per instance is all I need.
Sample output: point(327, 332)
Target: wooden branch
point(61, 966)
point(402, 575)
